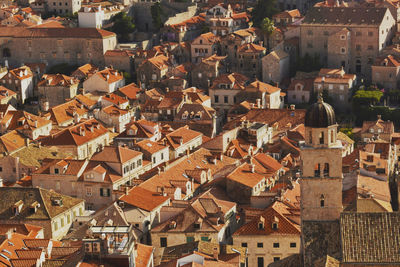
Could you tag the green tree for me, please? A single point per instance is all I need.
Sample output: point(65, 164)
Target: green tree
point(123, 26)
point(348, 131)
point(367, 97)
point(263, 8)
point(267, 28)
point(156, 13)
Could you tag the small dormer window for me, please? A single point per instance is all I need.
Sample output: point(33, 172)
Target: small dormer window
point(274, 226)
point(260, 225)
point(56, 171)
point(196, 226)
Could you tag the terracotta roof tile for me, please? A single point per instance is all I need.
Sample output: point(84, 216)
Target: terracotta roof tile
point(115, 154)
point(77, 135)
point(275, 213)
point(144, 199)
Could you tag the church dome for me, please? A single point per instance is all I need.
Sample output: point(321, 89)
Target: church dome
point(320, 115)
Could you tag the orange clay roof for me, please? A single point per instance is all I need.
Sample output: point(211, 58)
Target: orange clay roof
point(130, 91)
point(77, 135)
point(144, 199)
point(184, 133)
point(64, 112)
point(109, 75)
point(115, 154)
point(251, 48)
point(274, 213)
point(57, 80)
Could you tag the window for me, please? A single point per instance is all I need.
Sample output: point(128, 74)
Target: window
point(56, 171)
point(162, 156)
point(260, 245)
point(88, 191)
point(189, 239)
point(225, 99)
point(342, 37)
point(274, 226)
point(322, 201)
point(358, 33)
point(205, 238)
point(341, 87)
point(216, 100)
point(370, 34)
point(330, 86)
point(163, 242)
point(309, 32)
point(326, 169)
point(276, 245)
point(68, 219)
point(244, 245)
point(260, 226)
point(277, 258)
point(309, 45)
point(292, 244)
point(1, 169)
point(343, 50)
point(321, 138)
point(326, 33)
point(317, 170)
point(358, 47)
point(370, 47)
point(62, 222)
point(260, 262)
point(154, 159)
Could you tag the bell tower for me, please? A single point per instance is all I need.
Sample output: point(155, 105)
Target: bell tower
point(321, 156)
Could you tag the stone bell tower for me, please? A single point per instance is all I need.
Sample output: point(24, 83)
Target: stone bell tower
point(321, 156)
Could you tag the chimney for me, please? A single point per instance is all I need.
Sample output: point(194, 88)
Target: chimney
point(1, 182)
point(258, 101)
point(379, 117)
point(27, 141)
point(21, 74)
point(252, 167)
point(35, 124)
point(108, 77)
point(126, 190)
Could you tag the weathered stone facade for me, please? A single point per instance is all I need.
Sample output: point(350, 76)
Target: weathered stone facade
point(75, 46)
point(369, 30)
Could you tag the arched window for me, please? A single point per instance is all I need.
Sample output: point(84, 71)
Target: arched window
point(332, 136)
point(326, 169)
point(321, 138)
point(322, 201)
point(317, 170)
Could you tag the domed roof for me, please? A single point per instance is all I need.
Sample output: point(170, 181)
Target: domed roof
point(320, 115)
